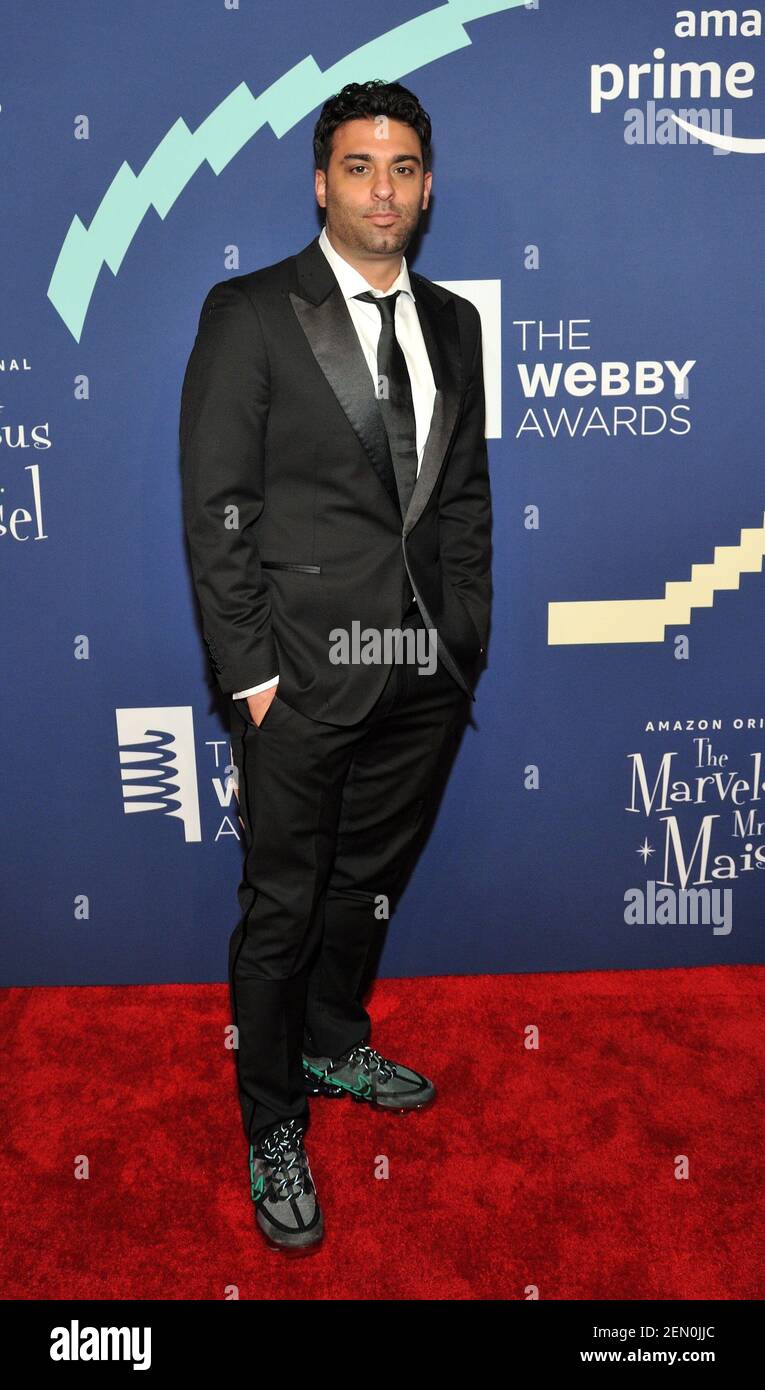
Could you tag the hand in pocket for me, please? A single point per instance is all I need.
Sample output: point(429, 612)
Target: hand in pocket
point(260, 704)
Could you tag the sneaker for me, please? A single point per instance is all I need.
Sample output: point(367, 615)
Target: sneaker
point(282, 1188)
point(366, 1076)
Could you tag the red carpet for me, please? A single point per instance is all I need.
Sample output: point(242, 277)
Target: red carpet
point(551, 1169)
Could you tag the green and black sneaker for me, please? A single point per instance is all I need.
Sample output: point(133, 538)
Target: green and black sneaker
point(366, 1076)
point(281, 1185)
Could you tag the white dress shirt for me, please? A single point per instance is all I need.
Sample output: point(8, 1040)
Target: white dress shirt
point(368, 323)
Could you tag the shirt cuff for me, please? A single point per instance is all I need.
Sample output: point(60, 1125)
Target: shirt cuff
point(255, 689)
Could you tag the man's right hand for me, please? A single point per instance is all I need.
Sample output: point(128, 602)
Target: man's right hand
point(258, 704)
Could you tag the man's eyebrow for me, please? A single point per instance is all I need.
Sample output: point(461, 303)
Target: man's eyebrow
point(397, 158)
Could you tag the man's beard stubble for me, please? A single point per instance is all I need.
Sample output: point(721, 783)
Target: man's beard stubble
point(363, 235)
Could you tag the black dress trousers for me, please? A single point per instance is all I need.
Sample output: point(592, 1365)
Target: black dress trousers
point(333, 820)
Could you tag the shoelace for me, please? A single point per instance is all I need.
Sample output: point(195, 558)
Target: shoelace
point(283, 1148)
point(370, 1061)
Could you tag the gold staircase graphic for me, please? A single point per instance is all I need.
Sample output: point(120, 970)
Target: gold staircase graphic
point(645, 619)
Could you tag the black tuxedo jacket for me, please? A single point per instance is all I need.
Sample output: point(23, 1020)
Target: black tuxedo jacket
point(291, 530)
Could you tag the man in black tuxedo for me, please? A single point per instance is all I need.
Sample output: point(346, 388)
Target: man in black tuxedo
point(337, 507)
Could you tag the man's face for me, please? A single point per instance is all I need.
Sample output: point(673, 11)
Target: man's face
point(375, 188)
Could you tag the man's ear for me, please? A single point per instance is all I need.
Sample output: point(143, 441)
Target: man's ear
point(320, 185)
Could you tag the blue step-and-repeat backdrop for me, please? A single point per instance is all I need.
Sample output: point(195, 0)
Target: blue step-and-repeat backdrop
point(598, 192)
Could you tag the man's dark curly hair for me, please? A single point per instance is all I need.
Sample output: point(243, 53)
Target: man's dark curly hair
point(373, 98)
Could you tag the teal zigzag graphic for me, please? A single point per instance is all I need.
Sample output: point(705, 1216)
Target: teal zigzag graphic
point(225, 132)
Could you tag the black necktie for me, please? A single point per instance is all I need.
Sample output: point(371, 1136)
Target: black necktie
point(394, 397)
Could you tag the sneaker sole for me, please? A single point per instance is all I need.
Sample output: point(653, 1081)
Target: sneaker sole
point(316, 1086)
point(296, 1247)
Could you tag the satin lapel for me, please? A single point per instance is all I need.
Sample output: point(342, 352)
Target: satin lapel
point(438, 319)
point(323, 315)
